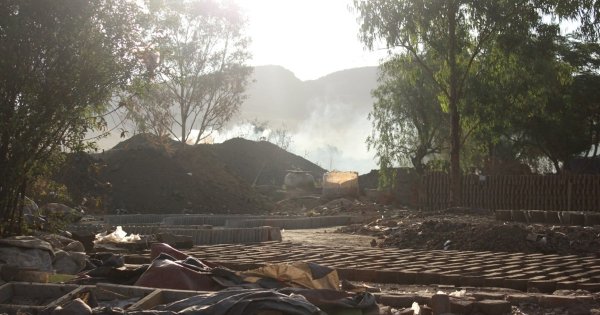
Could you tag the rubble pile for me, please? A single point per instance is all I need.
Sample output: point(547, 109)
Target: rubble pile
point(478, 232)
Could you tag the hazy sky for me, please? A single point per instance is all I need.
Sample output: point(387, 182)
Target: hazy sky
point(311, 38)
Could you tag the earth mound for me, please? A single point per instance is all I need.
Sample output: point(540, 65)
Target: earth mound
point(147, 174)
point(262, 162)
point(152, 175)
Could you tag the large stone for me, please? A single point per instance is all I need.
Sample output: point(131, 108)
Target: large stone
point(69, 262)
point(61, 212)
point(75, 246)
point(27, 252)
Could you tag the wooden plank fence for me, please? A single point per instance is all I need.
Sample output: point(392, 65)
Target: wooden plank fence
point(532, 192)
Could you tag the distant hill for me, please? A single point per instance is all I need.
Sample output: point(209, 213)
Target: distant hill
point(277, 95)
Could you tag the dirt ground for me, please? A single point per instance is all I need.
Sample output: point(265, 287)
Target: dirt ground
point(464, 229)
point(326, 236)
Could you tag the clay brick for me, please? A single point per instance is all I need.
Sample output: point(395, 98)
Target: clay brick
point(544, 286)
point(405, 300)
point(407, 277)
point(590, 286)
point(488, 296)
point(426, 310)
point(461, 306)
point(517, 284)
point(556, 301)
point(386, 276)
point(451, 279)
point(537, 216)
point(592, 219)
point(552, 217)
point(440, 303)
point(427, 278)
point(493, 307)
point(577, 219)
point(503, 215)
point(566, 285)
point(472, 281)
point(497, 282)
point(516, 299)
point(519, 216)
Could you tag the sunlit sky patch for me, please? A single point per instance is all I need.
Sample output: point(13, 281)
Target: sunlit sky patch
point(311, 38)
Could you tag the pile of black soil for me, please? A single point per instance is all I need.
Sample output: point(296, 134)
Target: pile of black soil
point(262, 163)
point(147, 174)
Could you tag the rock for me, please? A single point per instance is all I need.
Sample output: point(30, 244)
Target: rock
point(61, 212)
point(75, 246)
point(69, 262)
point(27, 252)
point(86, 238)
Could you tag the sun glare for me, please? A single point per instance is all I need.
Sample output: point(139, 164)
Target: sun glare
point(311, 37)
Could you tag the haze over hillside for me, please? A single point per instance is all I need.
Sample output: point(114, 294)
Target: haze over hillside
point(327, 117)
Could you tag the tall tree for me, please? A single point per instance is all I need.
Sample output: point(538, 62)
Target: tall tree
point(539, 94)
point(408, 121)
point(60, 61)
point(202, 73)
point(455, 32)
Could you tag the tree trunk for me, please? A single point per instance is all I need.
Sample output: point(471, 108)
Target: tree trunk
point(455, 174)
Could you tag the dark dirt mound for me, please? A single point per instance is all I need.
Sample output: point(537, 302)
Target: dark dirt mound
point(478, 232)
point(262, 161)
point(150, 175)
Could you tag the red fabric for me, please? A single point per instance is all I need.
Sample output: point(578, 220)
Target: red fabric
point(167, 274)
point(159, 248)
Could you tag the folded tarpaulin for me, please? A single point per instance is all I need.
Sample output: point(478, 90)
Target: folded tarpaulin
point(295, 301)
point(188, 274)
point(242, 302)
point(337, 302)
point(300, 274)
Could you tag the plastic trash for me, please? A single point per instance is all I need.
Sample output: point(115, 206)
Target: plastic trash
point(458, 293)
point(416, 308)
point(118, 236)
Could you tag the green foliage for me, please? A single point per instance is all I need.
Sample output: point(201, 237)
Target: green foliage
point(409, 124)
point(514, 90)
point(451, 34)
point(60, 62)
point(542, 115)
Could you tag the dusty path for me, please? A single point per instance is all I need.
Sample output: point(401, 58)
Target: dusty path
point(326, 236)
